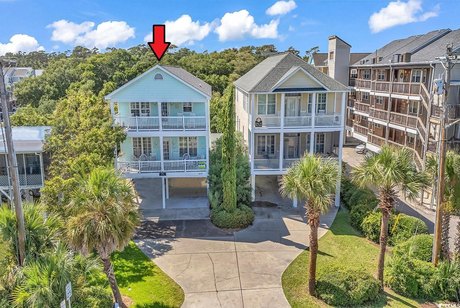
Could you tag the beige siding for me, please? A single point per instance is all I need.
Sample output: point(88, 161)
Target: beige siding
point(242, 116)
point(299, 80)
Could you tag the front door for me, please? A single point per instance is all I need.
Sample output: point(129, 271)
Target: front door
point(292, 106)
point(166, 149)
point(291, 146)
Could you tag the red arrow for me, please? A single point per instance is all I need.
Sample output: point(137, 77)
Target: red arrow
point(159, 46)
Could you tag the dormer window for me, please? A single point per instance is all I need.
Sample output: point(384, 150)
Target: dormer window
point(158, 76)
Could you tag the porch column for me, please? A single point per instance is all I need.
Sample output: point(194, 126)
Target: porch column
point(294, 202)
point(281, 158)
point(335, 102)
point(163, 192)
point(312, 142)
point(253, 187)
point(160, 124)
point(252, 143)
point(208, 135)
point(161, 154)
point(339, 178)
point(167, 188)
point(313, 109)
point(42, 170)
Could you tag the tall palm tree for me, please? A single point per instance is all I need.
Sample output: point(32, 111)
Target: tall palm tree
point(314, 180)
point(390, 171)
point(103, 216)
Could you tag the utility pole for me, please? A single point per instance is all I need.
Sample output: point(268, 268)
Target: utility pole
point(13, 170)
point(442, 148)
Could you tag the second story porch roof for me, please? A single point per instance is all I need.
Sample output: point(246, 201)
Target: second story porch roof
point(26, 138)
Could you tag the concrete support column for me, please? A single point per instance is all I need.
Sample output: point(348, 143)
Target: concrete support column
point(253, 187)
point(167, 188)
point(281, 156)
point(339, 178)
point(163, 192)
point(294, 202)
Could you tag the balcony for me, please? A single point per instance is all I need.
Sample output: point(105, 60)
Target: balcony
point(271, 163)
point(190, 165)
point(374, 139)
point(321, 120)
point(360, 129)
point(363, 83)
point(379, 114)
point(362, 107)
point(167, 123)
point(403, 119)
point(297, 121)
point(25, 180)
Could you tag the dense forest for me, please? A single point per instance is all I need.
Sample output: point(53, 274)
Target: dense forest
point(99, 73)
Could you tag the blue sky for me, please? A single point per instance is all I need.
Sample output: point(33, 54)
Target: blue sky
point(215, 25)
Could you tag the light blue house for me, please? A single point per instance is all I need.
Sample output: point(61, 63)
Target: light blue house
point(165, 112)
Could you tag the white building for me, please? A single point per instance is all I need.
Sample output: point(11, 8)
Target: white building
point(284, 108)
point(165, 112)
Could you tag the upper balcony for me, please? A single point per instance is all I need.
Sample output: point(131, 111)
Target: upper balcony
point(301, 110)
point(137, 117)
point(403, 88)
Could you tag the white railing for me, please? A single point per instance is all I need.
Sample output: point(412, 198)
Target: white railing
point(189, 165)
point(297, 121)
point(24, 180)
point(328, 120)
point(138, 123)
point(266, 163)
point(183, 123)
point(266, 121)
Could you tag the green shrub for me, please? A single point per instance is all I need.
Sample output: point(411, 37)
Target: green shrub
point(362, 195)
point(346, 287)
point(241, 217)
point(404, 227)
point(418, 246)
point(358, 213)
point(371, 226)
point(445, 283)
point(410, 277)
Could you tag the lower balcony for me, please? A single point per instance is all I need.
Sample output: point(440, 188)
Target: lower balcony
point(141, 166)
point(29, 169)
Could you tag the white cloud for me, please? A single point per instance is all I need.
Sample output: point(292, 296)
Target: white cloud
point(400, 13)
point(20, 42)
point(183, 31)
point(281, 8)
point(106, 34)
point(238, 25)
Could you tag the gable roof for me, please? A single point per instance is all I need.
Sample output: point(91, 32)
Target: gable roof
point(265, 75)
point(412, 44)
point(177, 72)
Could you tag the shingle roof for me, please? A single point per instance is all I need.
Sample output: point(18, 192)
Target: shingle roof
point(266, 74)
point(320, 58)
point(413, 45)
point(438, 47)
point(189, 78)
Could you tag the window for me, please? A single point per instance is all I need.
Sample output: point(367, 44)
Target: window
point(158, 77)
point(379, 100)
point(331, 55)
point(416, 76)
point(266, 104)
point(380, 75)
point(367, 74)
point(410, 139)
point(319, 143)
point(140, 109)
point(187, 107)
point(265, 145)
point(142, 146)
point(310, 102)
point(321, 99)
point(164, 109)
point(413, 107)
point(188, 145)
point(354, 73)
point(365, 96)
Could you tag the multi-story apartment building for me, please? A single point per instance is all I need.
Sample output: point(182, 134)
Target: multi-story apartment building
point(13, 75)
point(395, 98)
point(28, 144)
point(165, 112)
point(285, 108)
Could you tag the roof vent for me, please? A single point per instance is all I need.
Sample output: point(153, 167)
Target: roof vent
point(158, 76)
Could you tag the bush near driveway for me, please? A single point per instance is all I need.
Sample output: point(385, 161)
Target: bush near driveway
point(419, 247)
point(343, 287)
point(241, 217)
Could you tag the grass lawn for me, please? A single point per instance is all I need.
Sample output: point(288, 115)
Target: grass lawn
point(144, 282)
point(341, 246)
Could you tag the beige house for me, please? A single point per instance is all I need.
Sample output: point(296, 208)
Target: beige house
point(285, 108)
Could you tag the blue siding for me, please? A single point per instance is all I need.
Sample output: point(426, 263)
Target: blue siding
point(147, 89)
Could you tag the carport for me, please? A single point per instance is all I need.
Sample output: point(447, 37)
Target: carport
point(174, 193)
point(267, 189)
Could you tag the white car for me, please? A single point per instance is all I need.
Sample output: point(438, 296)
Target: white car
point(361, 148)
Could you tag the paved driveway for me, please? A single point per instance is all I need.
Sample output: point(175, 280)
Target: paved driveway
point(225, 269)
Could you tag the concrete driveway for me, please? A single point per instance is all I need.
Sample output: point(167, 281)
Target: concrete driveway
point(217, 268)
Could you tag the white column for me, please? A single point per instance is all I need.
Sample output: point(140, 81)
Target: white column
point(163, 192)
point(42, 169)
point(160, 124)
point(161, 153)
point(313, 116)
point(312, 142)
point(167, 188)
point(252, 144)
point(208, 135)
point(339, 178)
point(253, 187)
point(294, 202)
point(281, 159)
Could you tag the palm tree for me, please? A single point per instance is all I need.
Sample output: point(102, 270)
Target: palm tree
point(103, 216)
point(314, 180)
point(390, 171)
